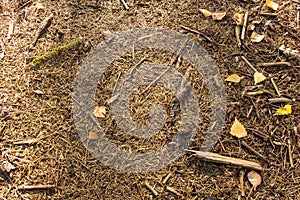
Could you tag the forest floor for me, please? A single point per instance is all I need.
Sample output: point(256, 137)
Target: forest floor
point(42, 157)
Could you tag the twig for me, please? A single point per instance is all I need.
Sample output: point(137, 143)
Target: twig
point(151, 188)
point(279, 100)
point(290, 152)
point(242, 174)
point(173, 190)
point(124, 4)
point(237, 35)
point(248, 63)
point(244, 26)
point(29, 141)
point(252, 150)
point(271, 64)
point(11, 28)
point(275, 86)
point(42, 29)
point(35, 187)
point(260, 92)
point(289, 52)
point(213, 157)
point(167, 178)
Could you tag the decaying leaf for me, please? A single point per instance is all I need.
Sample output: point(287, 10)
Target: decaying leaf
point(238, 18)
point(286, 110)
point(93, 135)
point(258, 77)
point(255, 37)
point(271, 4)
point(233, 78)
point(237, 129)
point(254, 178)
point(100, 111)
point(5, 165)
point(205, 12)
point(218, 15)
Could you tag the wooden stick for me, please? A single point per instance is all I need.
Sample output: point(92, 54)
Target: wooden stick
point(248, 63)
point(290, 152)
point(279, 100)
point(244, 26)
point(252, 150)
point(125, 4)
point(151, 188)
point(275, 86)
point(35, 187)
point(167, 178)
point(173, 190)
point(272, 64)
point(242, 174)
point(260, 92)
point(213, 157)
point(237, 35)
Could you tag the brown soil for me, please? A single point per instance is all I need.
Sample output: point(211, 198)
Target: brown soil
point(36, 101)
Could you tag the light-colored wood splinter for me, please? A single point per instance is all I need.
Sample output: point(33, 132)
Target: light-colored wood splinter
point(242, 184)
point(279, 100)
point(244, 26)
point(172, 190)
point(35, 187)
point(272, 64)
point(213, 157)
point(275, 86)
point(151, 188)
point(125, 4)
point(167, 178)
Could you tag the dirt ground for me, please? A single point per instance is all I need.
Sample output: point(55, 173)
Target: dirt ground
point(37, 132)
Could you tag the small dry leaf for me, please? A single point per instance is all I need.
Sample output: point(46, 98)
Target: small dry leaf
point(286, 110)
point(100, 111)
point(206, 13)
point(218, 15)
point(107, 35)
point(93, 135)
point(255, 37)
point(258, 77)
point(238, 18)
point(5, 165)
point(254, 178)
point(271, 4)
point(233, 78)
point(237, 129)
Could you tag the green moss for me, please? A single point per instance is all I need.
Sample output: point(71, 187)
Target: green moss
point(54, 52)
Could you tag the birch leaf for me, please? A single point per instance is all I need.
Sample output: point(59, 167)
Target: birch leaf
point(237, 129)
point(255, 37)
point(254, 178)
point(271, 4)
point(286, 110)
point(205, 12)
point(218, 15)
point(233, 78)
point(100, 111)
point(238, 18)
point(93, 135)
point(258, 77)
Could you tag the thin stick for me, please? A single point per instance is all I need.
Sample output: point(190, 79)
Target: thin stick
point(237, 35)
point(213, 157)
point(279, 100)
point(248, 63)
point(167, 178)
point(244, 26)
point(151, 188)
point(173, 190)
point(260, 92)
point(275, 86)
point(252, 150)
point(11, 28)
point(242, 174)
point(35, 187)
point(290, 153)
point(124, 4)
point(272, 64)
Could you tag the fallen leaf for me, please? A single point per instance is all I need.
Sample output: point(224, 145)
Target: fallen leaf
point(271, 4)
point(237, 129)
point(254, 178)
point(5, 165)
point(107, 35)
point(233, 78)
point(218, 15)
point(286, 110)
point(258, 77)
point(238, 18)
point(100, 111)
point(205, 12)
point(93, 135)
point(255, 37)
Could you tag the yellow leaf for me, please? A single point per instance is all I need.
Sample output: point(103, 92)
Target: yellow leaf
point(233, 78)
point(93, 135)
point(238, 18)
point(258, 77)
point(218, 15)
point(255, 37)
point(286, 110)
point(205, 12)
point(254, 178)
point(237, 129)
point(271, 4)
point(100, 111)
